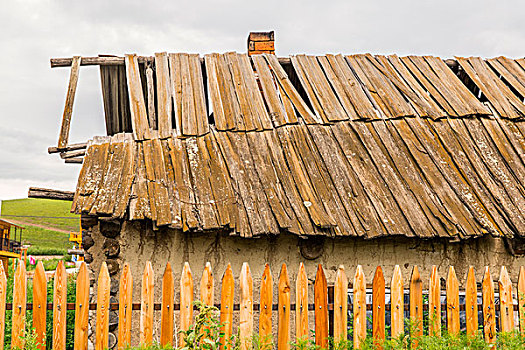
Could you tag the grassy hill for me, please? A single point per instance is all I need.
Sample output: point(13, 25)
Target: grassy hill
point(52, 216)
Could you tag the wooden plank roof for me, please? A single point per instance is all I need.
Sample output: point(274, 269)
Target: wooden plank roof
point(365, 146)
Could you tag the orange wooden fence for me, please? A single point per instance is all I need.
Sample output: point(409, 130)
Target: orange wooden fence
point(328, 318)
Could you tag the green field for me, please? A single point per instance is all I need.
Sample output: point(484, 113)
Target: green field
point(46, 212)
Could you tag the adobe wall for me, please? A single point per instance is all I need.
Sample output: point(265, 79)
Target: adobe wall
point(136, 243)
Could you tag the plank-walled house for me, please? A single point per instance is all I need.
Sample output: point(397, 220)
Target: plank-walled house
point(332, 159)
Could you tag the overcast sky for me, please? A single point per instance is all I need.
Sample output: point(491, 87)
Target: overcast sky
point(32, 94)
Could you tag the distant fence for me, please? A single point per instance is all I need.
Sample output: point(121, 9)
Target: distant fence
point(333, 305)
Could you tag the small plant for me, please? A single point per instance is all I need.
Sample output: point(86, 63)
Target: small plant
point(206, 331)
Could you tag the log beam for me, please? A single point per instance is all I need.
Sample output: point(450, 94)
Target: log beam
point(36, 192)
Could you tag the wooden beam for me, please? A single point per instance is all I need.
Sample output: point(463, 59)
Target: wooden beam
point(71, 147)
point(73, 154)
point(119, 61)
point(74, 160)
point(36, 192)
point(70, 98)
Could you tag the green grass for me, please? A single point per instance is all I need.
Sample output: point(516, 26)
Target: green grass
point(43, 241)
point(42, 207)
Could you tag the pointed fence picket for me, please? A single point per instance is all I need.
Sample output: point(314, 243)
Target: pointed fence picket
point(263, 309)
point(124, 310)
point(283, 330)
point(378, 306)
point(265, 314)
point(168, 298)
point(40, 305)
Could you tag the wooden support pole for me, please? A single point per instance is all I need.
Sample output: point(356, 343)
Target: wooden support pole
point(70, 98)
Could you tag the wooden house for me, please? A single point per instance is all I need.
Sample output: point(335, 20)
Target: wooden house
point(355, 159)
point(10, 242)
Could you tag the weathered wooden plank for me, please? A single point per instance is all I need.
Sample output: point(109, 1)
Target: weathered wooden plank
point(164, 95)
point(506, 303)
point(434, 303)
point(521, 299)
point(283, 328)
point(246, 308)
point(40, 305)
point(416, 306)
point(340, 305)
point(189, 120)
point(471, 303)
point(197, 84)
point(168, 299)
point(186, 300)
point(70, 98)
point(3, 295)
point(452, 302)
point(82, 308)
point(59, 307)
point(321, 308)
point(19, 306)
point(215, 92)
point(301, 304)
point(359, 307)
point(150, 97)
point(291, 92)
point(139, 116)
point(176, 89)
point(397, 303)
point(146, 306)
point(226, 318)
point(489, 310)
point(270, 91)
point(378, 306)
point(124, 311)
point(206, 286)
point(265, 313)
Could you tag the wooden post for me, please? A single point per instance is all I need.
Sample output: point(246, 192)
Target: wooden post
point(40, 305)
point(146, 306)
point(125, 306)
point(60, 307)
point(207, 296)
point(471, 303)
point(416, 306)
point(206, 288)
point(226, 318)
point(102, 325)
point(397, 303)
point(434, 303)
point(359, 307)
point(521, 299)
point(246, 308)
point(301, 304)
point(186, 301)
point(321, 308)
point(82, 308)
point(489, 311)
point(378, 307)
point(340, 305)
point(265, 314)
point(19, 306)
point(506, 305)
point(452, 302)
point(283, 331)
point(168, 298)
point(3, 295)
point(70, 98)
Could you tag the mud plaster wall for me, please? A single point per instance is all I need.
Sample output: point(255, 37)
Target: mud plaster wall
point(139, 243)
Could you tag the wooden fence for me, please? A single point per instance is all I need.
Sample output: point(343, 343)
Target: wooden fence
point(333, 316)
